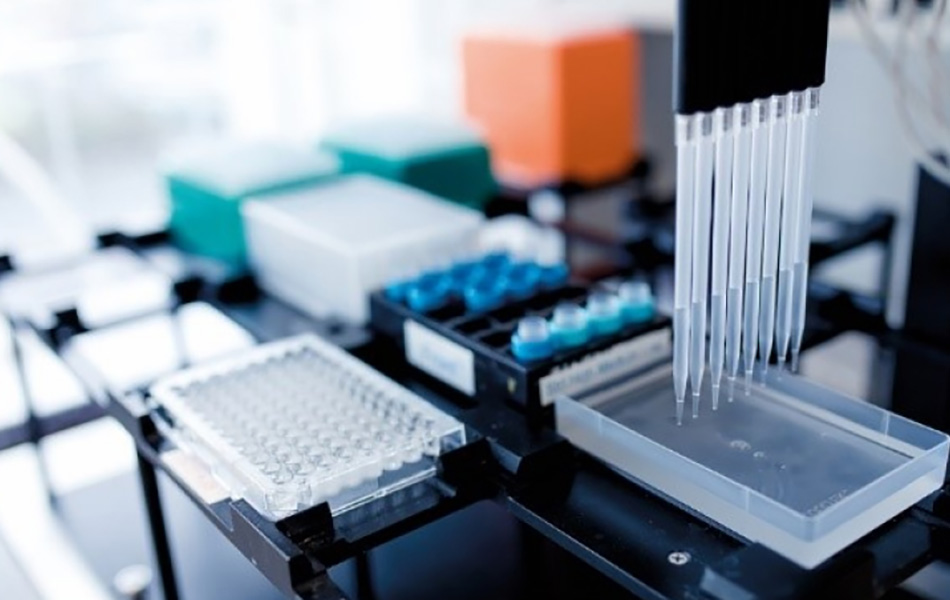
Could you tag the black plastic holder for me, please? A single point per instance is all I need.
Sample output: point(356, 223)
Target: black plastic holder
point(485, 337)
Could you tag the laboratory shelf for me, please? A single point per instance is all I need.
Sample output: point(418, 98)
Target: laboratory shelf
point(651, 545)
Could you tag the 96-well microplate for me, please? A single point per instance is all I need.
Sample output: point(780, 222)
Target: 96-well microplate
point(298, 422)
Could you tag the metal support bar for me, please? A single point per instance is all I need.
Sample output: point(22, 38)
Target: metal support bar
point(33, 425)
point(156, 521)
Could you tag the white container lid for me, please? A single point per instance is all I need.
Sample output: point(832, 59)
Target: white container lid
point(361, 213)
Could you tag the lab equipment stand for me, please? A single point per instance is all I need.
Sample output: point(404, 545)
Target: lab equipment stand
point(649, 545)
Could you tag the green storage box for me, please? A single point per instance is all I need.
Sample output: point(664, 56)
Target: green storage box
point(207, 188)
point(443, 158)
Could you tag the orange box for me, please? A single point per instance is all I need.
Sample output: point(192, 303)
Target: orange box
point(555, 108)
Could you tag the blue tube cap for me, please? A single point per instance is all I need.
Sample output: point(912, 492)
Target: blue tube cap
point(496, 261)
point(397, 290)
point(554, 275)
point(569, 326)
point(431, 291)
point(532, 340)
point(636, 302)
point(603, 313)
point(522, 279)
point(484, 293)
point(463, 272)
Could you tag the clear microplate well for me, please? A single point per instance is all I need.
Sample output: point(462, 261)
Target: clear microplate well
point(797, 467)
point(294, 423)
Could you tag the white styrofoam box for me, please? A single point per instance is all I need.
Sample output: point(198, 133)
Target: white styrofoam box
point(326, 248)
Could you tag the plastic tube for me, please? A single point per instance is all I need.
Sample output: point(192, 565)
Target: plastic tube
point(683, 257)
point(722, 209)
point(755, 235)
point(800, 268)
point(791, 201)
point(773, 212)
point(742, 135)
point(702, 201)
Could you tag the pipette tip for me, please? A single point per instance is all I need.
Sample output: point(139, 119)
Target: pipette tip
point(732, 388)
point(781, 366)
point(795, 365)
point(715, 397)
point(680, 404)
point(748, 382)
point(695, 405)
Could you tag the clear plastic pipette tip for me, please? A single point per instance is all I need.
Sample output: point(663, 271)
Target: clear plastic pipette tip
point(715, 396)
point(795, 356)
point(680, 407)
point(695, 405)
point(732, 388)
point(748, 382)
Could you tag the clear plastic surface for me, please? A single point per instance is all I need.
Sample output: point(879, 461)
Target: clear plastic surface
point(403, 138)
point(133, 354)
point(325, 249)
point(298, 422)
point(233, 169)
point(104, 287)
point(799, 468)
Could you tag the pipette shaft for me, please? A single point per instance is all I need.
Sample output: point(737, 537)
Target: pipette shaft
point(702, 201)
point(800, 276)
point(737, 243)
point(722, 208)
point(773, 211)
point(791, 218)
point(755, 235)
point(683, 258)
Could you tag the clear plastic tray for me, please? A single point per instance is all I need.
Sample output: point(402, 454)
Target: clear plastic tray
point(297, 422)
point(797, 467)
point(134, 354)
point(104, 287)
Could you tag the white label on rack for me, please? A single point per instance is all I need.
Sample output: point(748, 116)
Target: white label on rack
point(439, 357)
point(603, 367)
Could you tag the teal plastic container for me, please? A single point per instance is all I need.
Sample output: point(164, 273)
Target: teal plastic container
point(443, 158)
point(207, 189)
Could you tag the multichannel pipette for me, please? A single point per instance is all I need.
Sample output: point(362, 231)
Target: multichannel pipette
point(745, 139)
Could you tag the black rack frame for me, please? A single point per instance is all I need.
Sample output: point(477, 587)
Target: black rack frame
point(498, 375)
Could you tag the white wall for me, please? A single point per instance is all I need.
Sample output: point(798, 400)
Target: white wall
point(864, 161)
